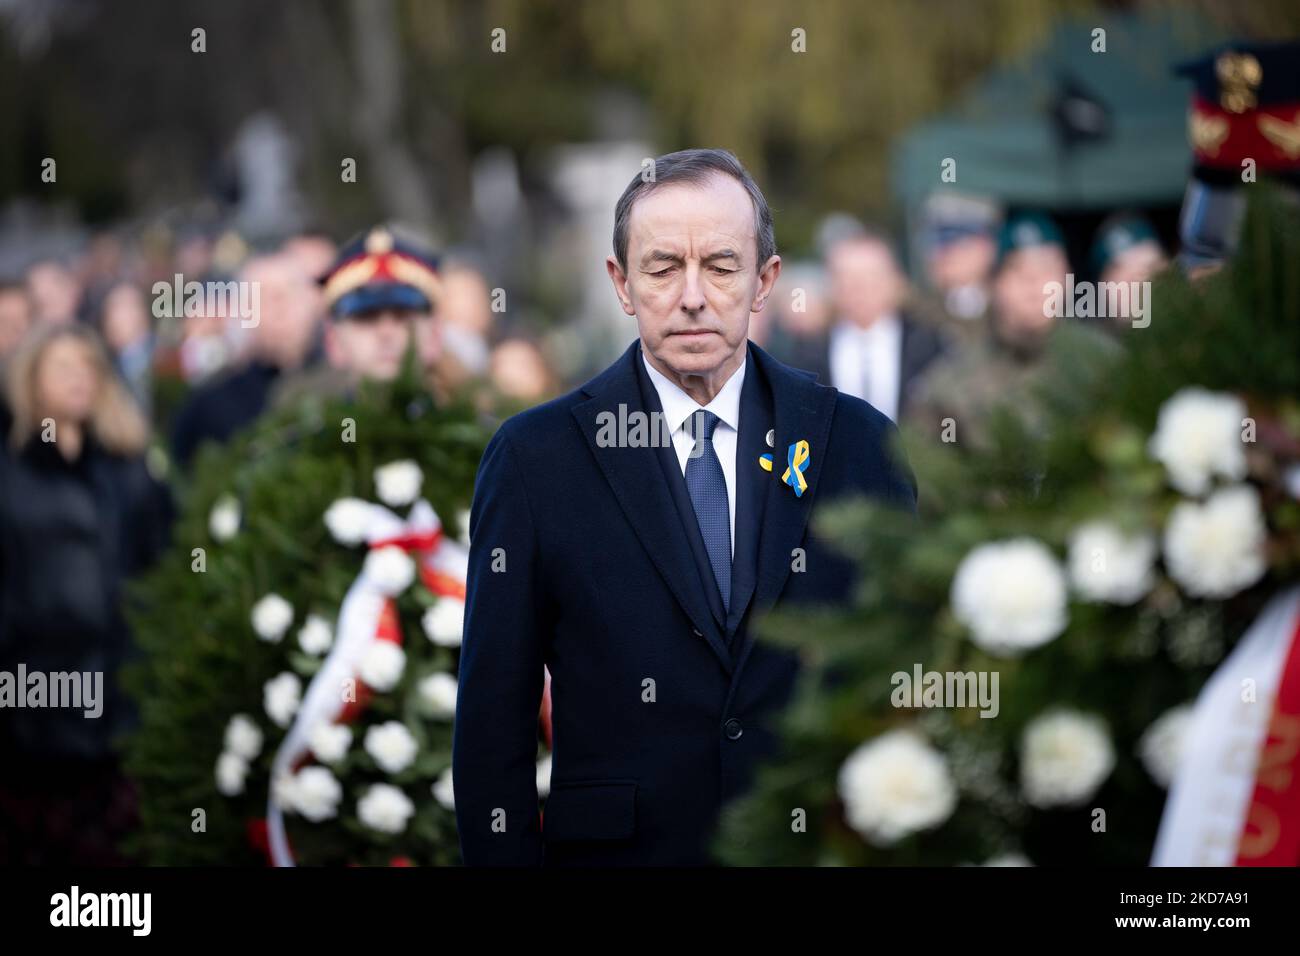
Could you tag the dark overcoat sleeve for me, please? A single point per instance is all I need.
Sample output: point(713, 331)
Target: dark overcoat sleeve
point(494, 750)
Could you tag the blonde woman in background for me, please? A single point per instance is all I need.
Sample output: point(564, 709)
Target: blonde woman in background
point(79, 515)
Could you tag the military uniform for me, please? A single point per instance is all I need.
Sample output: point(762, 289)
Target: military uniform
point(960, 313)
point(957, 396)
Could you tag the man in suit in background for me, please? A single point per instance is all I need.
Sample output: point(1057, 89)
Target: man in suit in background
point(873, 349)
point(631, 562)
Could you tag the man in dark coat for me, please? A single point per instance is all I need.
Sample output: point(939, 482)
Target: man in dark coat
point(628, 534)
point(875, 348)
point(282, 338)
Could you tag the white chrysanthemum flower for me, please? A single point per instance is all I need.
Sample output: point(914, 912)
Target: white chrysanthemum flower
point(1198, 436)
point(232, 770)
point(223, 520)
point(271, 617)
point(391, 746)
point(398, 482)
point(894, 785)
point(1011, 595)
point(315, 636)
point(390, 569)
point(385, 808)
point(439, 692)
point(282, 789)
point(347, 519)
point(329, 743)
point(316, 793)
point(544, 776)
point(243, 737)
point(444, 623)
point(1215, 549)
point(1108, 566)
point(1162, 746)
point(381, 665)
point(443, 791)
point(1064, 757)
point(281, 696)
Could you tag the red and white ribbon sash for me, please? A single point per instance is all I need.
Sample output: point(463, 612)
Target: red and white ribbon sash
point(1235, 799)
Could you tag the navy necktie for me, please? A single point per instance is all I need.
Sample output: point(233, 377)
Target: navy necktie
point(708, 490)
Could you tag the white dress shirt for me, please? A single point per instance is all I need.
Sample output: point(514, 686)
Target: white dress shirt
point(678, 408)
point(868, 362)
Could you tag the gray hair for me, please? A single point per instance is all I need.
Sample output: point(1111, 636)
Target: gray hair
point(694, 166)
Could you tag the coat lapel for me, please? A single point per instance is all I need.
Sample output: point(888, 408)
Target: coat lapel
point(751, 489)
point(637, 480)
point(802, 410)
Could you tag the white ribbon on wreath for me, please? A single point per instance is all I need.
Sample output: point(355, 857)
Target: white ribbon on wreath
point(443, 565)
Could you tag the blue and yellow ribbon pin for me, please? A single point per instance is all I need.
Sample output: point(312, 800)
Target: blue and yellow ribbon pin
point(798, 458)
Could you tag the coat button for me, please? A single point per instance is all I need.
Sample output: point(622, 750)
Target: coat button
point(733, 729)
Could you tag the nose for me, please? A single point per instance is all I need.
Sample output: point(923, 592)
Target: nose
point(693, 292)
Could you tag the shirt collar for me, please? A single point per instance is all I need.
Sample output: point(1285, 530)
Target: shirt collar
point(678, 406)
point(883, 327)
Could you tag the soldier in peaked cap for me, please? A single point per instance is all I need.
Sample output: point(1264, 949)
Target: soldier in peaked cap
point(1244, 122)
point(381, 292)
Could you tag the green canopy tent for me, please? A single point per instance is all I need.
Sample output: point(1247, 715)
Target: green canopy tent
point(1074, 132)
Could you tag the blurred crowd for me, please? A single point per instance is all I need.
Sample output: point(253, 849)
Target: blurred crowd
point(973, 331)
point(112, 383)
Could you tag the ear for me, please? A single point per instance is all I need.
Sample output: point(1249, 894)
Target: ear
point(766, 281)
point(619, 278)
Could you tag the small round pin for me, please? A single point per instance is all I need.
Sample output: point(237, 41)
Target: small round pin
point(771, 438)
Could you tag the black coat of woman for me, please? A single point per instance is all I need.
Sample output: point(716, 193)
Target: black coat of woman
point(72, 532)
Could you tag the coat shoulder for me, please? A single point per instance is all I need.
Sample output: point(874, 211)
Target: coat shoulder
point(537, 429)
point(855, 419)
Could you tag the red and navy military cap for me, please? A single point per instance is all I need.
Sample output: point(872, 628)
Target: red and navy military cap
point(1246, 105)
point(379, 270)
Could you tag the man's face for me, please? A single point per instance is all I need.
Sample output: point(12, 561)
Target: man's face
point(865, 281)
point(312, 254)
point(1020, 292)
point(692, 278)
point(465, 300)
point(289, 307)
point(1136, 264)
point(125, 317)
point(371, 345)
point(55, 292)
point(962, 262)
point(15, 318)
